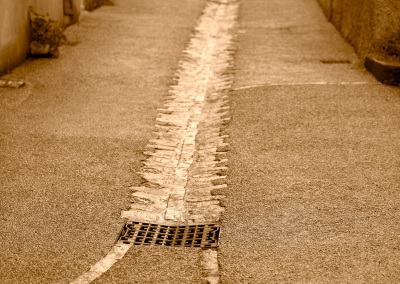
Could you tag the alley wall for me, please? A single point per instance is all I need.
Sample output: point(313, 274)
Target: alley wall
point(15, 26)
point(371, 26)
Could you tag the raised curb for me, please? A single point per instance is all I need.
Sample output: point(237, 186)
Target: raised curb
point(384, 72)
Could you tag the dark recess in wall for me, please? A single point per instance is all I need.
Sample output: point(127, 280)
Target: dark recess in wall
point(90, 5)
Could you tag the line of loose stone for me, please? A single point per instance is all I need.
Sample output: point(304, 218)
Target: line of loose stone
point(186, 157)
point(188, 137)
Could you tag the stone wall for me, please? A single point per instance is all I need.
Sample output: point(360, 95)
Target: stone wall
point(371, 26)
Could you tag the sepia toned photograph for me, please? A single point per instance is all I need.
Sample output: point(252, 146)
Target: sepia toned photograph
point(200, 141)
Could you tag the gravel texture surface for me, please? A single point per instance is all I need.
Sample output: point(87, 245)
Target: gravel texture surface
point(313, 189)
point(313, 186)
point(72, 139)
point(156, 265)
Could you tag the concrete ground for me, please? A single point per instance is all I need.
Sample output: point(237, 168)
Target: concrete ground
point(72, 139)
point(314, 182)
point(314, 178)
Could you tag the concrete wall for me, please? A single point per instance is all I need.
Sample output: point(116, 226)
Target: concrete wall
point(14, 33)
point(369, 25)
point(15, 27)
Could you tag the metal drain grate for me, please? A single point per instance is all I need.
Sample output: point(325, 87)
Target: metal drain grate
point(138, 233)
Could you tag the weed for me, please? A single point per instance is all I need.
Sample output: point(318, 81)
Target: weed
point(47, 35)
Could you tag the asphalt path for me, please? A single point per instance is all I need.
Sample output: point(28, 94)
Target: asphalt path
point(72, 139)
point(313, 180)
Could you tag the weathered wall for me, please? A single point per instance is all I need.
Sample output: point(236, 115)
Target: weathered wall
point(371, 26)
point(55, 9)
point(15, 27)
point(326, 7)
point(14, 33)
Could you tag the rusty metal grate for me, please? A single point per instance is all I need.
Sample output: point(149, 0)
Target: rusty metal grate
point(138, 233)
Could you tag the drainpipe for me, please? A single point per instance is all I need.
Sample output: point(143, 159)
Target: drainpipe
point(330, 10)
point(71, 11)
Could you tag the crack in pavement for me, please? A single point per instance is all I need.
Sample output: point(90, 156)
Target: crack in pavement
point(186, 159)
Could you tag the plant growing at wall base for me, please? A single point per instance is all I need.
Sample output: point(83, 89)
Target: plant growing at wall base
point(392, 47)
point(46, 35)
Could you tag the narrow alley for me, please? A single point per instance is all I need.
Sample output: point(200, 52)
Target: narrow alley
point(253, 121)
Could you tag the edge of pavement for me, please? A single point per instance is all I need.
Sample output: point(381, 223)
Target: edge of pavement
point(73, 139)
point(313, 192)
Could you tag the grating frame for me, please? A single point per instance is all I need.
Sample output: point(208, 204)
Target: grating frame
point(140, 233)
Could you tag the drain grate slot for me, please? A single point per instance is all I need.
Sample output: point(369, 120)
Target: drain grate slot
point(335, 61)
point(138, 233)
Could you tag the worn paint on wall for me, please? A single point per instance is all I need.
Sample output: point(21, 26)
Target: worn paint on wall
point(15, 27)
point(53, 8)
point(14, 33)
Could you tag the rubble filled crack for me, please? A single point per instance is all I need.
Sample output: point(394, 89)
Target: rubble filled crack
point(186, 159)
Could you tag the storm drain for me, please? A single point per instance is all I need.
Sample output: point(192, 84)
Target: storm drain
point(138, 233)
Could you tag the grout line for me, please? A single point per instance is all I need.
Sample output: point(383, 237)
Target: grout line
point(189, 137)
point(304, 84)
point(114, 255)
point(209, 263)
